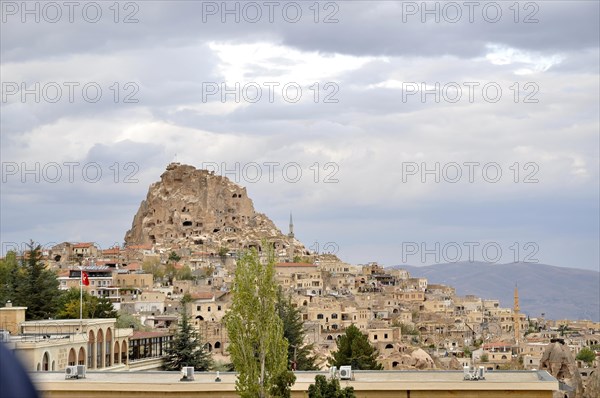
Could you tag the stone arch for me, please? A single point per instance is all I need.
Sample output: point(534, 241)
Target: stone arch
point(124, 352)
point(81, 356)
point(200, 318)
point(329, 337)
point(91, 349)
point(72, 357)
point(389, 346)
point(208, 347)
point(99, 348)
point(395, 364)
point(108, 347)
point(117, 353)
point(217, 345)
point(46, 361)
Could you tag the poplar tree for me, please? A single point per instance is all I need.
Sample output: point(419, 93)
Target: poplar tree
point(257, 346)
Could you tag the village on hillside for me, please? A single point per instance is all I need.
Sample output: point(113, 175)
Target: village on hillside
point(178, 246)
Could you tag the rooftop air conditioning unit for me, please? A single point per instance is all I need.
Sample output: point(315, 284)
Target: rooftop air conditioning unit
point(466, 373)
point(71, 372)
point(481, 374)
point(333, 372)
point(187, 373)
point(346, 372)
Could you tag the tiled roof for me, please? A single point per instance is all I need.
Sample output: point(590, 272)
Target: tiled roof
point(202, 295)
point(83, 245)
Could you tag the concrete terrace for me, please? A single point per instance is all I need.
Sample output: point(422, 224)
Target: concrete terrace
point(366, 384)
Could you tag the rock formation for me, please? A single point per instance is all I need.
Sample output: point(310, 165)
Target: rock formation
point(560, 363)
point(196, 209)
point(592, 387)
point(422, 360)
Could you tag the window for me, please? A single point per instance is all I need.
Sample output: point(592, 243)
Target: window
point(374, 337)
point(319, 316)
point(208, 308)
point(334, 316)
point(385, 336)
point(198, 308)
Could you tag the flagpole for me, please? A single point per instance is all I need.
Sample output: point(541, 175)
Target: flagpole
point(80, 295)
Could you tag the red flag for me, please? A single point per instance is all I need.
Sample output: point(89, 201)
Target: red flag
point(84, 278)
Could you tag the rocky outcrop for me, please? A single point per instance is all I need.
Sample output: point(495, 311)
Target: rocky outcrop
point(560, 363)
point(422, 360)
point(196, 209)
point(592, 387)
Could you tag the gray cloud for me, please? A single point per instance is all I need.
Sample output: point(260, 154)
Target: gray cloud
point(373, 129)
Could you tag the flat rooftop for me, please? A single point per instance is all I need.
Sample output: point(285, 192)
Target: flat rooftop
point(363, 380)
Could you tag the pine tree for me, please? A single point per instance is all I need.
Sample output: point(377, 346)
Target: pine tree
point(354, 349)
point(36, 288)
point(256, 343)
point(187, 349)
point(293, 331)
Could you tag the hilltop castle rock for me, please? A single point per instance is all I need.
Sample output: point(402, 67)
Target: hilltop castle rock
point(196, 209)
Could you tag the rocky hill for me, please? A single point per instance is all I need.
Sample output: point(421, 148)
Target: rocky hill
point(190, 208)
point(559, 292)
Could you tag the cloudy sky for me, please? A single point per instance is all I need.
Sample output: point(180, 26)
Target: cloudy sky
point(397, 132)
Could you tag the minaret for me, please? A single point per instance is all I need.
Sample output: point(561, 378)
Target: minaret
point(291, 240)
point(516, 317)
point(291, 233)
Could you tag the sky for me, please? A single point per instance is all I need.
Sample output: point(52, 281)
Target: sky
point(397, 132)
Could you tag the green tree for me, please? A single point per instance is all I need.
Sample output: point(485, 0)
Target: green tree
point(256, 343)
point(586, 355)
point(37, 287)
point(126, 320)
point(68, 304)
point(329, 389)
point(154, 267)
point(223, 250)
point(467, 352)
point(563, 329)
point(354, 349)
point(103, 308)
point(484, 358)
point(10, 276)
point(170, 272)
point(174, 257)
point(187, 348)
point(185, 273)
point(93, 307)
point(282, 384)
point(293, 331)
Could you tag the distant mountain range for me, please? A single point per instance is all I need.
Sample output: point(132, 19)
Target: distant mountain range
point(558, 292)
